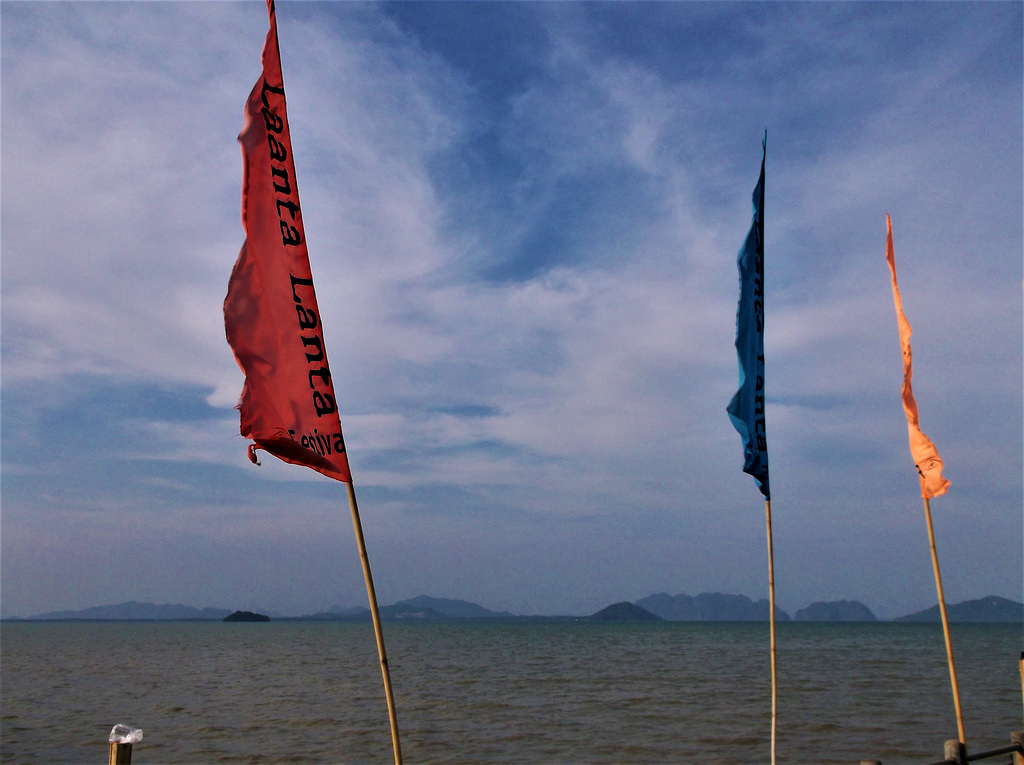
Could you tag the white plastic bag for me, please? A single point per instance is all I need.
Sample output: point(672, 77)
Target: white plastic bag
point(125, 734)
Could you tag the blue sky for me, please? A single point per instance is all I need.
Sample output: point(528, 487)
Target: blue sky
point(523, 221)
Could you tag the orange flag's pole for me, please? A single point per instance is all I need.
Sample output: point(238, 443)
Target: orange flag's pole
point(945, 624)
point(926, 460)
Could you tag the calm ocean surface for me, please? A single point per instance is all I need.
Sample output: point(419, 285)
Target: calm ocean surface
point(502, 693)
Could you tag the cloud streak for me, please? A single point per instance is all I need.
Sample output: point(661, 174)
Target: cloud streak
point(523, 223)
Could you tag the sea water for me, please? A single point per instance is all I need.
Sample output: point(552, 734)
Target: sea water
point(548, 692)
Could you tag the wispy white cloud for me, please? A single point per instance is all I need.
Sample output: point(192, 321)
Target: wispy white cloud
point(525, 264)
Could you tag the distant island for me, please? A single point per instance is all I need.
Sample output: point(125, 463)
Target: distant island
point(246, 616)
point(419, 609)
point(137, 612)
point(624, 612)
point(836, 611)
point(990, 609)
point(709, 607)
point(706, 607)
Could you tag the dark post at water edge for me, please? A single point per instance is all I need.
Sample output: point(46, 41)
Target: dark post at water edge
point(955, 750)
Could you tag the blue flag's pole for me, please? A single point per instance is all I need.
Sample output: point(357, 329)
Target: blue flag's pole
point(771, 618)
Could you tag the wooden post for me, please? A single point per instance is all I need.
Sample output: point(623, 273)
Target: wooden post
point(945, 625)
point(1017, 737)
point(120, 754)
point(955, 751)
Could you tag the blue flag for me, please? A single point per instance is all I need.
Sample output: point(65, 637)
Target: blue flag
point(746, 410)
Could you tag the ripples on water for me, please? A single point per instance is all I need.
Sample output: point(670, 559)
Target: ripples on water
point(502, 693)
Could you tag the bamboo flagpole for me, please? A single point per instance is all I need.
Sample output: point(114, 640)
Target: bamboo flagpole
point(1022, 675)
point(771, 620)
point(288, 405)
point(747, 407)
point(377, 629)
point(945, 624)
point(926, 460)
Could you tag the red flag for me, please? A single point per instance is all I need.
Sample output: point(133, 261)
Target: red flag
point(271, 318)
point(926, 456)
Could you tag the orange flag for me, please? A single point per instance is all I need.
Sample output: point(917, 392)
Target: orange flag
point(271, 318)
point(926, 456)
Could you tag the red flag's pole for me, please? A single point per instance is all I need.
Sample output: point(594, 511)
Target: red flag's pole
point(377, 630)
point(264, 287)
point(771, 618)
point(945, 624)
